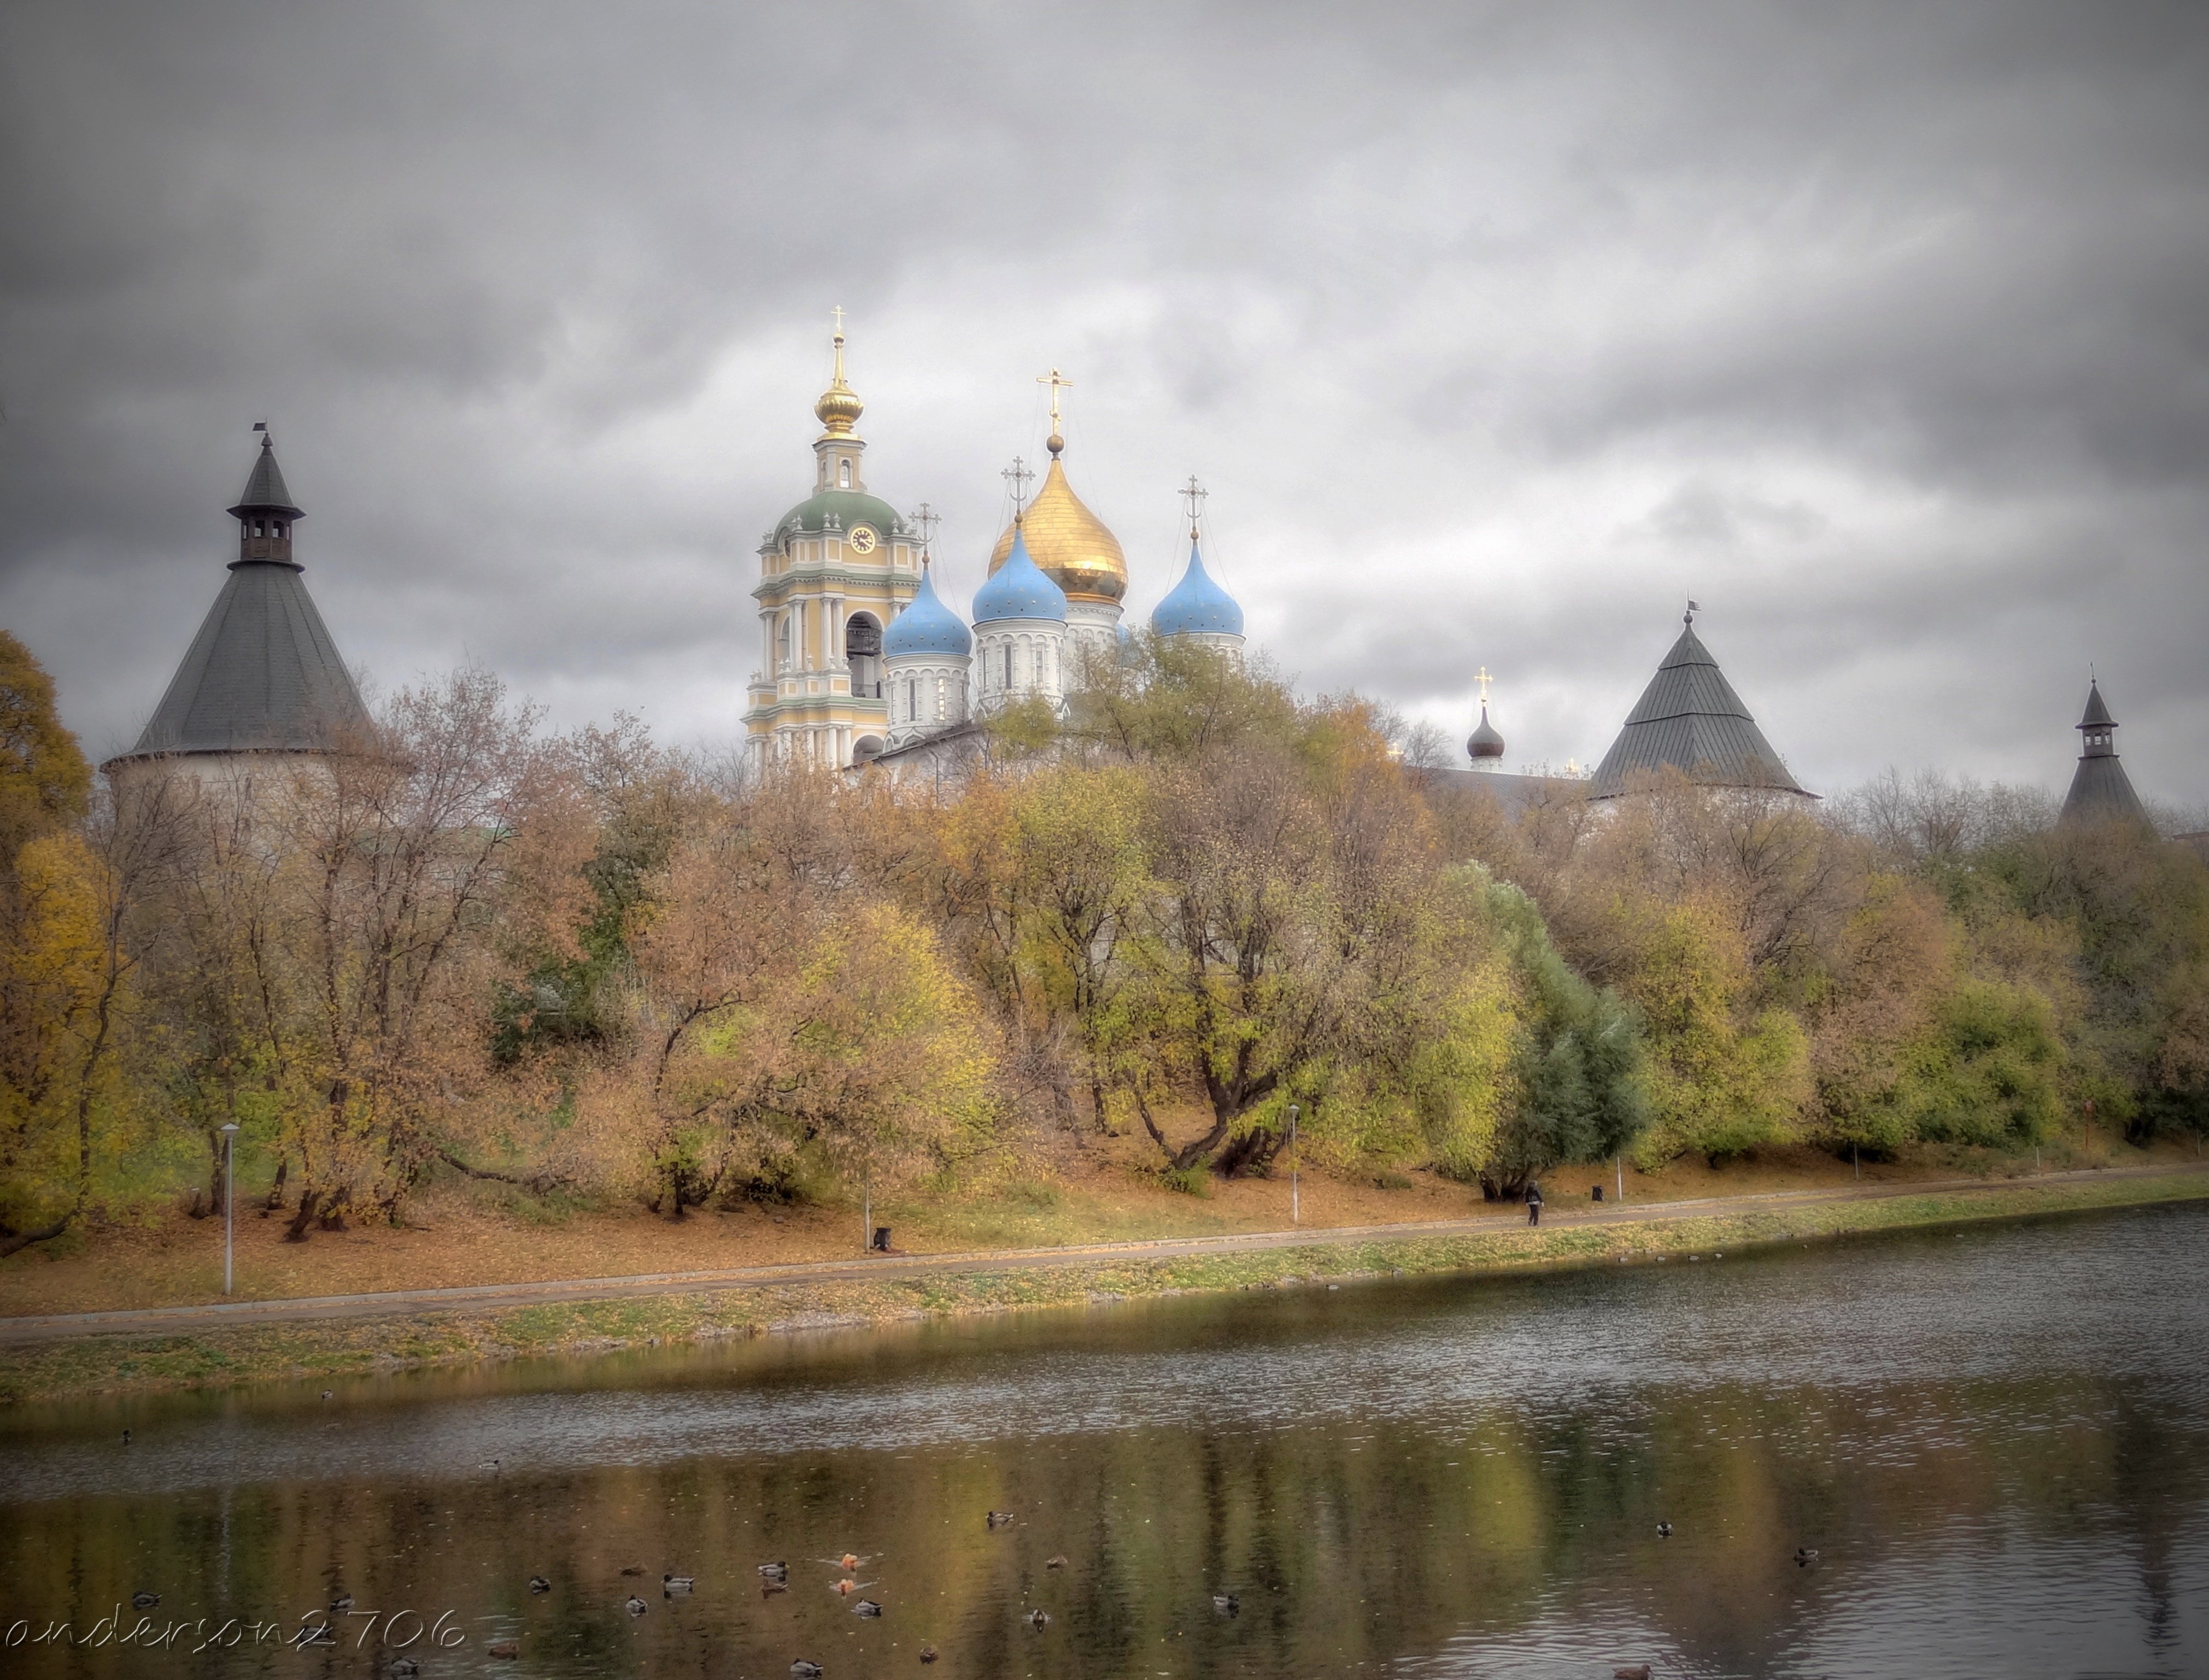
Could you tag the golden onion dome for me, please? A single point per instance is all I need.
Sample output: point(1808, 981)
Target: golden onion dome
point(840, 407)
point(1067, 541)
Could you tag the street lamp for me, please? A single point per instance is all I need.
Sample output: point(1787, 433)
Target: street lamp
point(229, 1202)
point(1295, 1202)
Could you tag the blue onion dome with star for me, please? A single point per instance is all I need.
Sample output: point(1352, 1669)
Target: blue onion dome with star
point(926, 626)
point(1019, 590)
point(1197, 605)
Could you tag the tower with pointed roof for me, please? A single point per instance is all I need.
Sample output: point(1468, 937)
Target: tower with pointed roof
point(263, 684)
point(834, 572)
point(2100, 789)
point(1071, 546)
point(1689, 719)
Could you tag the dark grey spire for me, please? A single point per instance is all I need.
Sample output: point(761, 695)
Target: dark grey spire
point(265, 492)
point(2100, 789)
point(1689, 719)
point(263, 675)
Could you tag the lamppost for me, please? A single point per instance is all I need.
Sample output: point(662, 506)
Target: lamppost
point(229, 1202)
point(1295, 1199)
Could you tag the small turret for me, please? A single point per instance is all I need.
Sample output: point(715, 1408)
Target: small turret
point(264, 513)
point(2100, 789)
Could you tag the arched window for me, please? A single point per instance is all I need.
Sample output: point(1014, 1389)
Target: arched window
point(844, 475)
point(1008, 667)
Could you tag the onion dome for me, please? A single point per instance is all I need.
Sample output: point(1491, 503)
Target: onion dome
point(1066, 540)
point(840, 407)
point(1484, 742)
point(1019, 589)
point(1197, 605)
point(926, 627)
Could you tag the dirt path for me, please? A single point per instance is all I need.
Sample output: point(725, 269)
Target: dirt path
point(174, 1320)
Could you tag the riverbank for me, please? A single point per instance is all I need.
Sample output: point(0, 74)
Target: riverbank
point(381, 1337)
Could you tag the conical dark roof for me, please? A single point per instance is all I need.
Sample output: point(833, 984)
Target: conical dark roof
point(263, 675)
point(1689, 719)
point(2100, 789)
point(265, 492)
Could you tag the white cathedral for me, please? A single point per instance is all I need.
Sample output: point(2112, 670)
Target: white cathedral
point(865, 659)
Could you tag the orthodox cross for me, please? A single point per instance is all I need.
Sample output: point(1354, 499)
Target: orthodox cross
point(1482, 677)
point(1058, 383)
point(1194, 494)
point(927, 518)
point(839, 313)
point(1018, 476)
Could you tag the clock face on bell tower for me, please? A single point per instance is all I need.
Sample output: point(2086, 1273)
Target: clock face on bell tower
point(862, 539)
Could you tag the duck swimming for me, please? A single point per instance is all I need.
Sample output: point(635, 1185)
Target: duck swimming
point(1664, 1531)
point(538, 1584)
point(636, 1605)
point(866, 1607)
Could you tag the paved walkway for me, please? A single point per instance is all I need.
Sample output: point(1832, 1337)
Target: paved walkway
point(399, 1302)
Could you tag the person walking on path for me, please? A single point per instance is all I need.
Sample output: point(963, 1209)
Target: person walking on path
point(1533, 1202)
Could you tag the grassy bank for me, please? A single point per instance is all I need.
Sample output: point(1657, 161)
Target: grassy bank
point(230, 1355)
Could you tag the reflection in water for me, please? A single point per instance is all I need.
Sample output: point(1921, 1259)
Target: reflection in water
point(1993, 1439)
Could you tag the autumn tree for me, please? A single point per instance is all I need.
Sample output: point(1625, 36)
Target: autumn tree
point(68, 879)
point(383, 948)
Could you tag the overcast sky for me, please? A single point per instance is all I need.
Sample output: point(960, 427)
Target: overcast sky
point(1496, 332)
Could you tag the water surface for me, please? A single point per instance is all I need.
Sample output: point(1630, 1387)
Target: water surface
point(1994, 1439)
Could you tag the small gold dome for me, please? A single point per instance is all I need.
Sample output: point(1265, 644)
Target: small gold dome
point(1069, 542)
point(840, 407)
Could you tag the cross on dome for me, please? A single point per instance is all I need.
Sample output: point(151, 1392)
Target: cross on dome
point(1194, 494)
point(1057, 382)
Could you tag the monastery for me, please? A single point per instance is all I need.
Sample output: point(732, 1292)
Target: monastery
point(862, 663)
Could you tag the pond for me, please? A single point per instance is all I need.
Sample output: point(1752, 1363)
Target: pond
point(1992, 1438)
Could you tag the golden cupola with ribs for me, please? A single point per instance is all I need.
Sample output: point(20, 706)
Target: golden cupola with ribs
point(1070, 545)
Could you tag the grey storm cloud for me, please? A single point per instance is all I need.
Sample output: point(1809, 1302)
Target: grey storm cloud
point(1494, 331)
